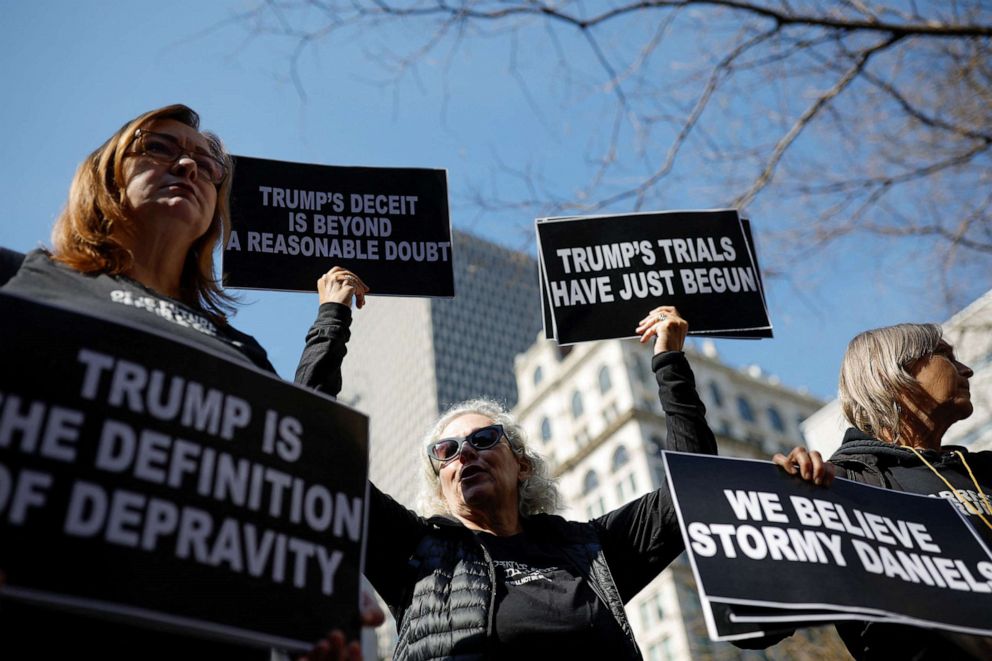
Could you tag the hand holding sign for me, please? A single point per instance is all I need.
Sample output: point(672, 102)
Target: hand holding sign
point(333, 646)
point(339, 285)
point(666, 326)
point(810, 466)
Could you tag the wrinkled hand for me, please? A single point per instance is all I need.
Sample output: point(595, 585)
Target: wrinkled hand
point(339, 285)
point(666, 327)
point(808, 465)
point(333, 646)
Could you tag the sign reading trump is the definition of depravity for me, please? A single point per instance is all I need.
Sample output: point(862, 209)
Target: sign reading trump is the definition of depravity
point(148, 479)
point(291, 222)
point(602, 274)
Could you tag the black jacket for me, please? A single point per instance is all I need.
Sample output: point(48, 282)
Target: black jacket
point(450, 560)
point(865, 459)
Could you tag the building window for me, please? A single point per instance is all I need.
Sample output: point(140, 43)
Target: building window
point(656, 445)
point(538, 375)
point(576, 404)
point(666, 645)
point(659, 609)
point(776, 419)
point(596, 509)
point(545, 430)
point(645, 610)
point(715, 394)
point(604, 379)
point(640, 373)
point(620, 458)
point(627, 488)
point(589, 482)
point(652, 610)
point(744, 408)
point(610, 412)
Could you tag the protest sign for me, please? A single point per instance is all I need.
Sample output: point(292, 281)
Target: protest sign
point(722, 619)
point(146, 479)
point(549, 329)
point(601, 274)
point(291, 222)
point(758, 537)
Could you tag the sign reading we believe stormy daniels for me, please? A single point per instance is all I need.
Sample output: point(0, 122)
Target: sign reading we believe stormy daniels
point(773, 550)
point(146, 479)
point(291, 222)
point(601, 275)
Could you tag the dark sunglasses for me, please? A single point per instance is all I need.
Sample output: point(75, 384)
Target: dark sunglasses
point(447, 449)
point(166, 149)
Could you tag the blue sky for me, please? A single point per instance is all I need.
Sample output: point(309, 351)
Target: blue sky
point(73, 72)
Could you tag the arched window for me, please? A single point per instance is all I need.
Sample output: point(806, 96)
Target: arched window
point(640, 373)
point(576, 404)
point(589, 482)
point(620, 458)
point(744, 408)
point(545, 430)
point(715, 394)
point(538, 375)
point(604, 379)
point(776, 420)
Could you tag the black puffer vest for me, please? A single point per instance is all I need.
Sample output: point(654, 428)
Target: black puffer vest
point(449, 612)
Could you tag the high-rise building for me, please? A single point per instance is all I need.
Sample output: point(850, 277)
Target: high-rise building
point(410, 358)
point(593, 409)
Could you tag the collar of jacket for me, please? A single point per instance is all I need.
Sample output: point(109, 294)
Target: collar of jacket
point(858, 445)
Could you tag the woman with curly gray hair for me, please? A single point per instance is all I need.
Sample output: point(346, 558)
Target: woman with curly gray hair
point(901, 388)
point(493, 572)
point(537, 492)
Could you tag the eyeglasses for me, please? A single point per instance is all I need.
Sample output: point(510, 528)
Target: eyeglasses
point(165, 149)
point(447, 449)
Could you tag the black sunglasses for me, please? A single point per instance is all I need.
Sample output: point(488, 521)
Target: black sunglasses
point(446, 449)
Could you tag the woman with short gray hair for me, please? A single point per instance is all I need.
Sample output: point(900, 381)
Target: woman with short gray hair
point(902, 387)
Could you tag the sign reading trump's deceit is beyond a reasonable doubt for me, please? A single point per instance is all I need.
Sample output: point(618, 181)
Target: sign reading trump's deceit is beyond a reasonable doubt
point(291, 222)
point(144, 478)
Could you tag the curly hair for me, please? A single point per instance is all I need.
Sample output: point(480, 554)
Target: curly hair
point(874, 375)
point(84, 233)
point(536, 494)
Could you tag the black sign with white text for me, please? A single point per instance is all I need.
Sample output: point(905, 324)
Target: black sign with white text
point(758, 537)
point(147, 479)
point(291, 222)
point(602, 274)
point(549, 329)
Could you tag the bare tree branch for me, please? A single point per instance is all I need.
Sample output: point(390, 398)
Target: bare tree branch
point(839, 117)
